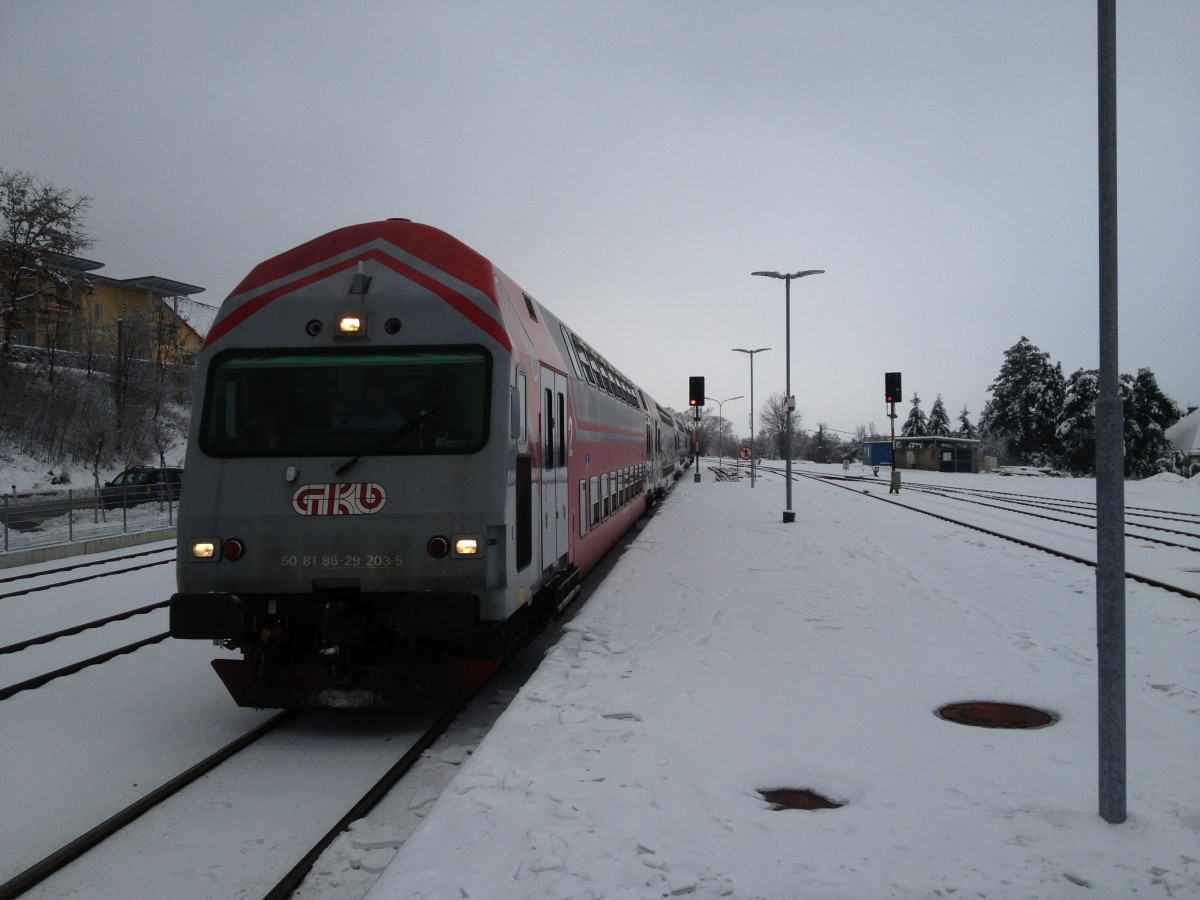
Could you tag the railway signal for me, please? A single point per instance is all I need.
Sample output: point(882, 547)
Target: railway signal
point(891, 394)
point(891, 387)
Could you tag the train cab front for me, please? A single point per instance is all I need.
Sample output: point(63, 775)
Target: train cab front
point(340, 528)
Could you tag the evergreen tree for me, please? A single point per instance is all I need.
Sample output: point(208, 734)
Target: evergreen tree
point(1148, 414)
point(939, 421)
point(1026, 400)
point(1076, 429)
point(965, 428)
point(916, 425)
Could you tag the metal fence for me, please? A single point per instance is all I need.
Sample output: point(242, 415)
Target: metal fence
point(29, 521)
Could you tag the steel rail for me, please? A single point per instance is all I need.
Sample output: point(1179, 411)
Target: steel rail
point(1152, 582)
point(83, 565)
point(40, 680)
point(60, 858)
point(83, 578)
point(293, 879)
point(77, 629)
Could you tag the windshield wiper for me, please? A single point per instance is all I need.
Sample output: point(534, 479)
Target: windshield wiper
point(405, 429)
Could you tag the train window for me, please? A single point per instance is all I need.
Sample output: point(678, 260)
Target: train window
point(595, 493)
point(562, 430)
point(585, 359)
point(548, 416)
point(613, 488)
point(571, 343)
point(604, 492)
point(583, 507)
point(347, 403)
point(523, 400)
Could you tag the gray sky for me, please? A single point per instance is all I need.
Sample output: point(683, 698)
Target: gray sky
point(630, 163)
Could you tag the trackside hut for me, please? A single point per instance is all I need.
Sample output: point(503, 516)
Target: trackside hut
point(938, 454)
point(931, 453)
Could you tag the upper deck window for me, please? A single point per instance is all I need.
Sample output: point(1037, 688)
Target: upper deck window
point(428, 400)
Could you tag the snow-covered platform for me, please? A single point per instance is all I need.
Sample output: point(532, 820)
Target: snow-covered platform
point(729, 653)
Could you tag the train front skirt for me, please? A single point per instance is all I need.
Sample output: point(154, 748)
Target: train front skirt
point(414, 686)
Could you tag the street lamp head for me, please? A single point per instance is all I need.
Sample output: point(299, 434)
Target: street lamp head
point(791, 276)
point(740, 350)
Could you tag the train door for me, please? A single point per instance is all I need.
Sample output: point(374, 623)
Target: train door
point(554, 467)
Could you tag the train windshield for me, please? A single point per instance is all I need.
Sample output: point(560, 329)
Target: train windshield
point(346, 403)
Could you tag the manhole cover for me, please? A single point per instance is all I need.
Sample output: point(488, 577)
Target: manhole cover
point(798, 798)
point(991, 714)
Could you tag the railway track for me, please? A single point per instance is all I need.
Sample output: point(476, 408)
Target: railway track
point(1072, 514)
point(71, 851)
point(45, 581)
point(287, 755)
point(275, 877)
point(30, 582)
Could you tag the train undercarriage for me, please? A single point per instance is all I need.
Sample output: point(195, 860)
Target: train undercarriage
point(353, 650)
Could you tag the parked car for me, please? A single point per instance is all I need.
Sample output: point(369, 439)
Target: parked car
point(142, 484)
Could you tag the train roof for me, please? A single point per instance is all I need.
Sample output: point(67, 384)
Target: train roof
point(421, 252)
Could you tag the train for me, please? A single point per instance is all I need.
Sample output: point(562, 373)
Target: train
point(400, 465)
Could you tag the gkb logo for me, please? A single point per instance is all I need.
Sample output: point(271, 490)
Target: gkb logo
point(339, 499)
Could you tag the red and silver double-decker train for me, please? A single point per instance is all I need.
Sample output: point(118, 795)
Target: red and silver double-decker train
point(400, 464)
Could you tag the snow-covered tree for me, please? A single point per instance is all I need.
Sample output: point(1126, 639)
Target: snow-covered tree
point(939, 421)
point(1148, 414)
point(1076, 429)
point(1026, 401)
point(965, 428)
point(1147, 411)
point(916, 425)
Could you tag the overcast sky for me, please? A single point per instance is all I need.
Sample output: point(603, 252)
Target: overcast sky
point(629, 163)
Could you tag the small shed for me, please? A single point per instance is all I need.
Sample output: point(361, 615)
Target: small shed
point(931, 453)
point(938, 453)
point(877, 453)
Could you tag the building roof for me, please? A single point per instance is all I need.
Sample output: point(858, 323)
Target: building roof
point(156, 284)
point(1184, 435)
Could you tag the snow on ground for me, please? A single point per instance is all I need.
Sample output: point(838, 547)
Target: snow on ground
point(728, 653)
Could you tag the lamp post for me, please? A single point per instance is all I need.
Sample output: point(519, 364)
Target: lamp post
point(790, 401)
point(751, 353)
point(721, 416)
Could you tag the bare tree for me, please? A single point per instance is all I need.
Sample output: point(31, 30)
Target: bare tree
point(773, 422)
point(41, 224)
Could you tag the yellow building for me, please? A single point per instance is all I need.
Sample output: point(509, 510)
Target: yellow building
point(150, 318)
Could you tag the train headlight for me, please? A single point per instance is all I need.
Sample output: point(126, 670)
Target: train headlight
point(352, 326)
point(438, 546)
point(466, 546)
point(204, 550)
point(232, 549)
